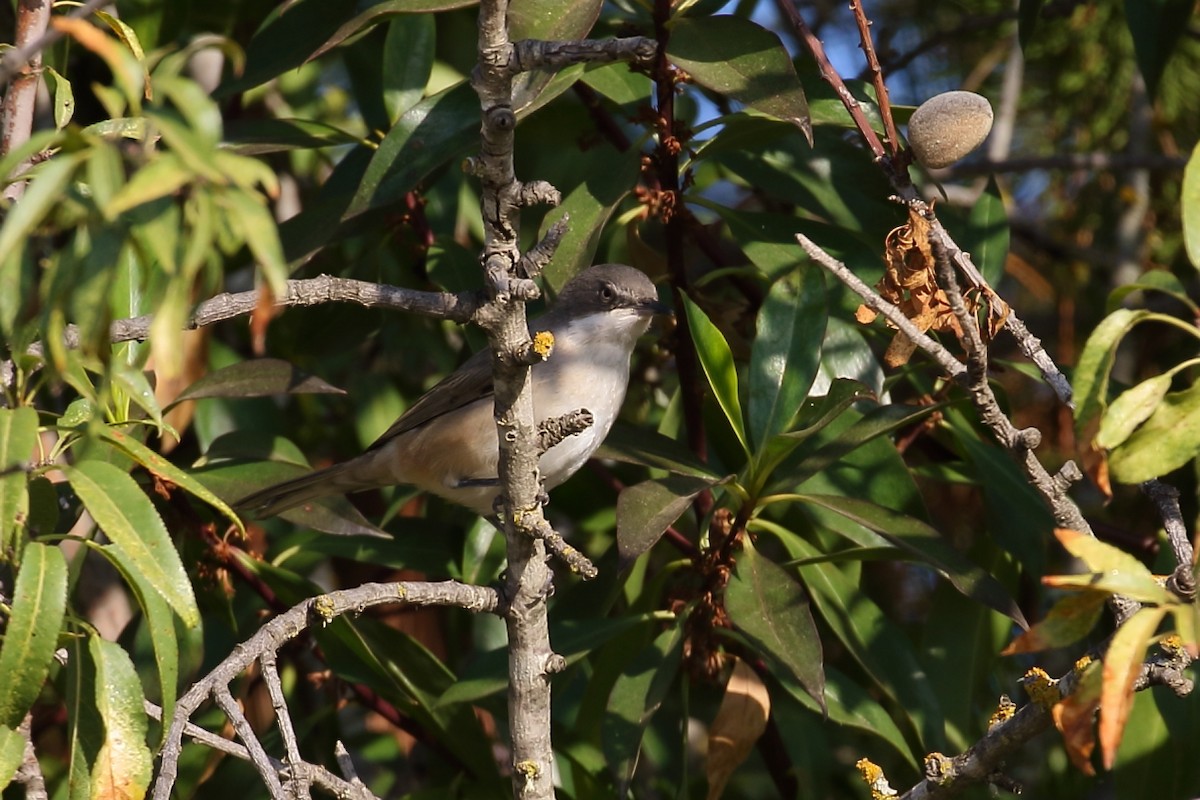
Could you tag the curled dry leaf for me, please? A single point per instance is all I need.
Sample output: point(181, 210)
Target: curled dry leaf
point(741, 719)
point(910, 283)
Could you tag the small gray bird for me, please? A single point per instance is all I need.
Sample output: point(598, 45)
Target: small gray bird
point(446, 442)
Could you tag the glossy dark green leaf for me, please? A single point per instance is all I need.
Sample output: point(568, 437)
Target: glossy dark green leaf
point(288, 38)
point(47, 184)
point(553, 20)
point(122, 510)
point(605, 177)
point(260, 377)
point(717, 361)
point(429, 134)
point(1156, 27)
point(922, 540)
point(769, 607)
point(646, 509)
point(769, 241)
point(1168, 440)
point(636, 445)
point(18, 438)
point(380, 11)
point(786, 351)
point(408, 51)
point(635, 698)
point(256, 137)
point(1160, 280)
point(38, 603)
point(741, 60)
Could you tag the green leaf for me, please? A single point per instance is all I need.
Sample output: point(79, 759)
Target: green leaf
point(922, 540)
point(381, 11)
point(769, 240)
point(552, 20)
point(1166, 441)
point(1068, 621)
point(636, 445)
point(256, 137)
point(122, 765)
point(38, 604)
point(717, 361)
point(772, 610)
point(741, 60)
point(62, 96)
point(871, 639)
point(1189, 203)
point(605, 177)
point(130, 521)
point(636, 696)
point(408, 52)
point(252, 219)
point(1131, 408)
point(18, 443)
point(1113, 570)
point(1154, 280)
point(12, 753)
point(1156, 27)
point(259, 377)
point(46, 187)
point(646, 509)
point(163, 176)
point(786, 351)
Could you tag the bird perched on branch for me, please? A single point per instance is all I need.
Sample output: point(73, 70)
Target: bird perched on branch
point(446, 442)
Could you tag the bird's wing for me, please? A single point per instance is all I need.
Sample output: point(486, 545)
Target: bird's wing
point(470, 382)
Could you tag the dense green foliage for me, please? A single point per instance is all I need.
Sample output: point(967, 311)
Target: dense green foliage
point(882, 544)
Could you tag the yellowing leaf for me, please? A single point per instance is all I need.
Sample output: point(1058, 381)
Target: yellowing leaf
point(1068, 621)
point(1075, 718)
point(1122, 663)
point(740, 720)
point(1113, 570)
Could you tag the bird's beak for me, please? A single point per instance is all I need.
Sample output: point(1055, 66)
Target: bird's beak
point(656, 307)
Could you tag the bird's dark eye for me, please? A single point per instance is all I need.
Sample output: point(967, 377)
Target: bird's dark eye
point(608, 293)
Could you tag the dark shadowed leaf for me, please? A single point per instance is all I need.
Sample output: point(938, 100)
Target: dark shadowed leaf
point(1156, 26)
point(651, 449)
point(769, 607)
point(408, 52)
point(924, 541)
point(381, 11)
point(636, 695)
point(741, 60)
point(1027, 18)
point(260, 377)
point(982, 231)
point(645, 510)
point(255, 137)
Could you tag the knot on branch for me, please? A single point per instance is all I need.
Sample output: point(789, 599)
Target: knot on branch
point(555, 664)
point(1005, 710)
point(1183, 583)
point(939, 768)
point(500, 118)
point(553, 431)
point(1068, 474)
point(1041, 688)
point(1029, 438)
point(537, 193)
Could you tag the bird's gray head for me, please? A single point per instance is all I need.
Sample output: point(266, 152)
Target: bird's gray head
point(609, 300)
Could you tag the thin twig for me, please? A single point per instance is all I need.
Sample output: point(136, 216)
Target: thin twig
point(1067, 162)
point(881, 91)
point(15, 59)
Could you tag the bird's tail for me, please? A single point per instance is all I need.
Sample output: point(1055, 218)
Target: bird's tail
point(272, 500)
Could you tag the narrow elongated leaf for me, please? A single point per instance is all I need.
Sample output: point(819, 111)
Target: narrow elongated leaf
point(38, 604)
point(45, 188)
point(645, 510)
point(129, 519)
point(1068, 621)
point(1166, 441)
point(377, 13)
point(635, 697)
point(767, 605)
point(1113, 569)
point(741, 60)
point(18, 438)
point(1155, 280)
point(1156, 27)
point(122, 765)
point(408, 51)
point(253, 137)
point(12, 752)
point(260, 377)
point(786, 352)
point(717, 361)
point(1190, 207)
point(741, 719)
point(651, 449)
point(1131, 408)
point(924, 541)
point(1122, 663)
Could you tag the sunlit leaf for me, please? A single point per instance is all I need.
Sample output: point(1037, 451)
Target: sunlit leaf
point(38, 603)
point(740, 721)
point(1190, 207)
point(122, 764)
point(1131, 408)
point(1166, 441)
point(1112, 570)
point(129, 519)
point(1069, 620)
point(18, 438)
point(717, 361)
point(1122, 662)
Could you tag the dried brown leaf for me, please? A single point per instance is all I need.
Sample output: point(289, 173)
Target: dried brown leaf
point(740, 720)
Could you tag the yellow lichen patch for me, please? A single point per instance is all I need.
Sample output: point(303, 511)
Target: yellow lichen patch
point(323, 607)
point(1003, 713)
point(1172, 645)
point(1041, 688)
point(527, 770)
point(938, 768)
point(873, 775)
point(543, 343)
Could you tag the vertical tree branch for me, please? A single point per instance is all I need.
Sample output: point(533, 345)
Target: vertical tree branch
point(529, 578)
point(33, 17)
